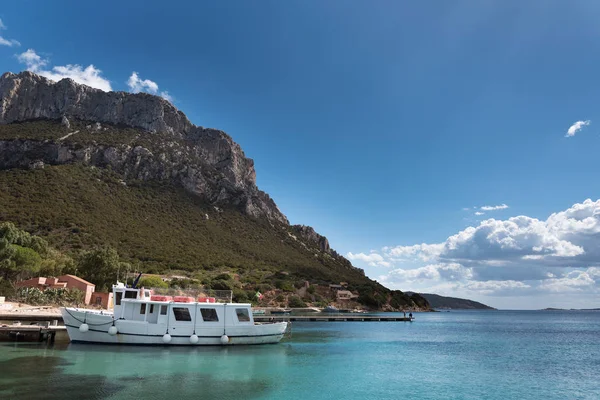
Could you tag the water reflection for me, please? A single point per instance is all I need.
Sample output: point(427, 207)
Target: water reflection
point(96, 371)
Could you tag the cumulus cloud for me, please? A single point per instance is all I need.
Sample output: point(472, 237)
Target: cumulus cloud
point(576, 127)
point(7, 42)
point(479, 213)
point(373, 259)
point(136, 85)
point(501, 257)
point(90, 75)
point(141, 85)
point(494, 208)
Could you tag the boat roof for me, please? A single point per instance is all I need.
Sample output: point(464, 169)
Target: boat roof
point(181, 302)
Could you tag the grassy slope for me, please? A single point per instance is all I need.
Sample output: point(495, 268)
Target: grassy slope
point(160, 226)
point(157, 226)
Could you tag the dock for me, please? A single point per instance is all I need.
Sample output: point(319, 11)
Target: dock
point(317, 317)
point(331, 318)
point(30, 333)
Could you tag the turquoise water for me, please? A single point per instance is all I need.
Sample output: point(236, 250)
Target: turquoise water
point(448, 355)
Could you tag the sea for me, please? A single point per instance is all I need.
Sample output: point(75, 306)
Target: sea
point(442, 355)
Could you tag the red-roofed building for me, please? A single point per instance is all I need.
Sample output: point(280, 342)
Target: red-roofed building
point(64, 281)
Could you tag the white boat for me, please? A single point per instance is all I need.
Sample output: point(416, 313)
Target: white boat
point(141, 317)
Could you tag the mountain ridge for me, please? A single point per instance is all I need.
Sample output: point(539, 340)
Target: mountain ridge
point(224, 173)
point(453, 303)
point(46, 125)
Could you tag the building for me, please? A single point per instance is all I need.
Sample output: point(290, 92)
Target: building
point(62, 282)
point(346, 295)
point(42, 283)
point(104, 300)
point(75, 282)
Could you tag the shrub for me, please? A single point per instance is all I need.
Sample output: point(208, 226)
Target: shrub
point(223, 277)
point(152, 282)
point(286, 286)
point(296, 302)
point(58, 297)
point(240, 296)
point(221, 285)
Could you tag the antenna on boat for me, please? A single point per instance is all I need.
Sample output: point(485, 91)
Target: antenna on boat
point(135, 282)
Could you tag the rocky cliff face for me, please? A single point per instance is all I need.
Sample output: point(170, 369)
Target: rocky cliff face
point(207, 162)
point(307, 233)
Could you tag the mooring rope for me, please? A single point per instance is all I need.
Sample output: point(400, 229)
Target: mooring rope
point(85, 319)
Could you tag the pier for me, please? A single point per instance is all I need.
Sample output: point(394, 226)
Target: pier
point(31, 333)
point(331, 318)
point(317, 317)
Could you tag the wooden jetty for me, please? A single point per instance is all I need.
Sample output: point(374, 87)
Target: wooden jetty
point(317, 317)
point(331, 318)
point(30, 333)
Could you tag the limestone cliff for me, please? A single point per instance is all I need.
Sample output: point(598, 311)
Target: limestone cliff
point(207, 162)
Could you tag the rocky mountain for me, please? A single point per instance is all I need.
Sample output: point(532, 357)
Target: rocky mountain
point(82, 167)
point(207, 162)
point(454, 303)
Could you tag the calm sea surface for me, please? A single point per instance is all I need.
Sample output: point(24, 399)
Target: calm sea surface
point(448, 355)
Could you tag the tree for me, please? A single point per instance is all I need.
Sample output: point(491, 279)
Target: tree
point(99, 266)
point(19, 237)
point(19, 252)
point(26, 260)
point(152, 282)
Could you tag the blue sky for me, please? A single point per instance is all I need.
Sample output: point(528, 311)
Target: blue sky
point(382, 124)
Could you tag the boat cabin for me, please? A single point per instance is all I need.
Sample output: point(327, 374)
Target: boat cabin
point(179, 313)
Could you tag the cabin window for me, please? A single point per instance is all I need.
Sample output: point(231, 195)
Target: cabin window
point(131, 294)
point(182, 314)
point(119, 297)
point(163, 310)
point(142, 308)
point(209, 315)
point(147, 293)
point(151, 308)
point(242, 314)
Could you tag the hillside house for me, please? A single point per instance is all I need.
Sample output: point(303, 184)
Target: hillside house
point(62, 282)
point(346, 295)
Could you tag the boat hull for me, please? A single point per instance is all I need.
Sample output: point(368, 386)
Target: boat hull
point(136, 333)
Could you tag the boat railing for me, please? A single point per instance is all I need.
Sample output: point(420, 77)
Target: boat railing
point(220, 296)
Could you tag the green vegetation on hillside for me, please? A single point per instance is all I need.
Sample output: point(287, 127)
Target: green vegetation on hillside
point(100, 224)
point(437, 301)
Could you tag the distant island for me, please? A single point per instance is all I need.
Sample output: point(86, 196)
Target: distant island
point(453, 303)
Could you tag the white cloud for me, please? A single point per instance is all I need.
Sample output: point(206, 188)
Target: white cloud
point(479, 213)
point(576, 127)
point(33, 61)
point(423, 251)
point(373, 259)
point(517, 256)
point(7, 42)
point(136, 85)
point(493, 208)
point(573, 281)
point(165, 95)
point(450, 271)
point(90, 75)
point(141, 85)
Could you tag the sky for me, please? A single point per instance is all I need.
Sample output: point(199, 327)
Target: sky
point(443, 146)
